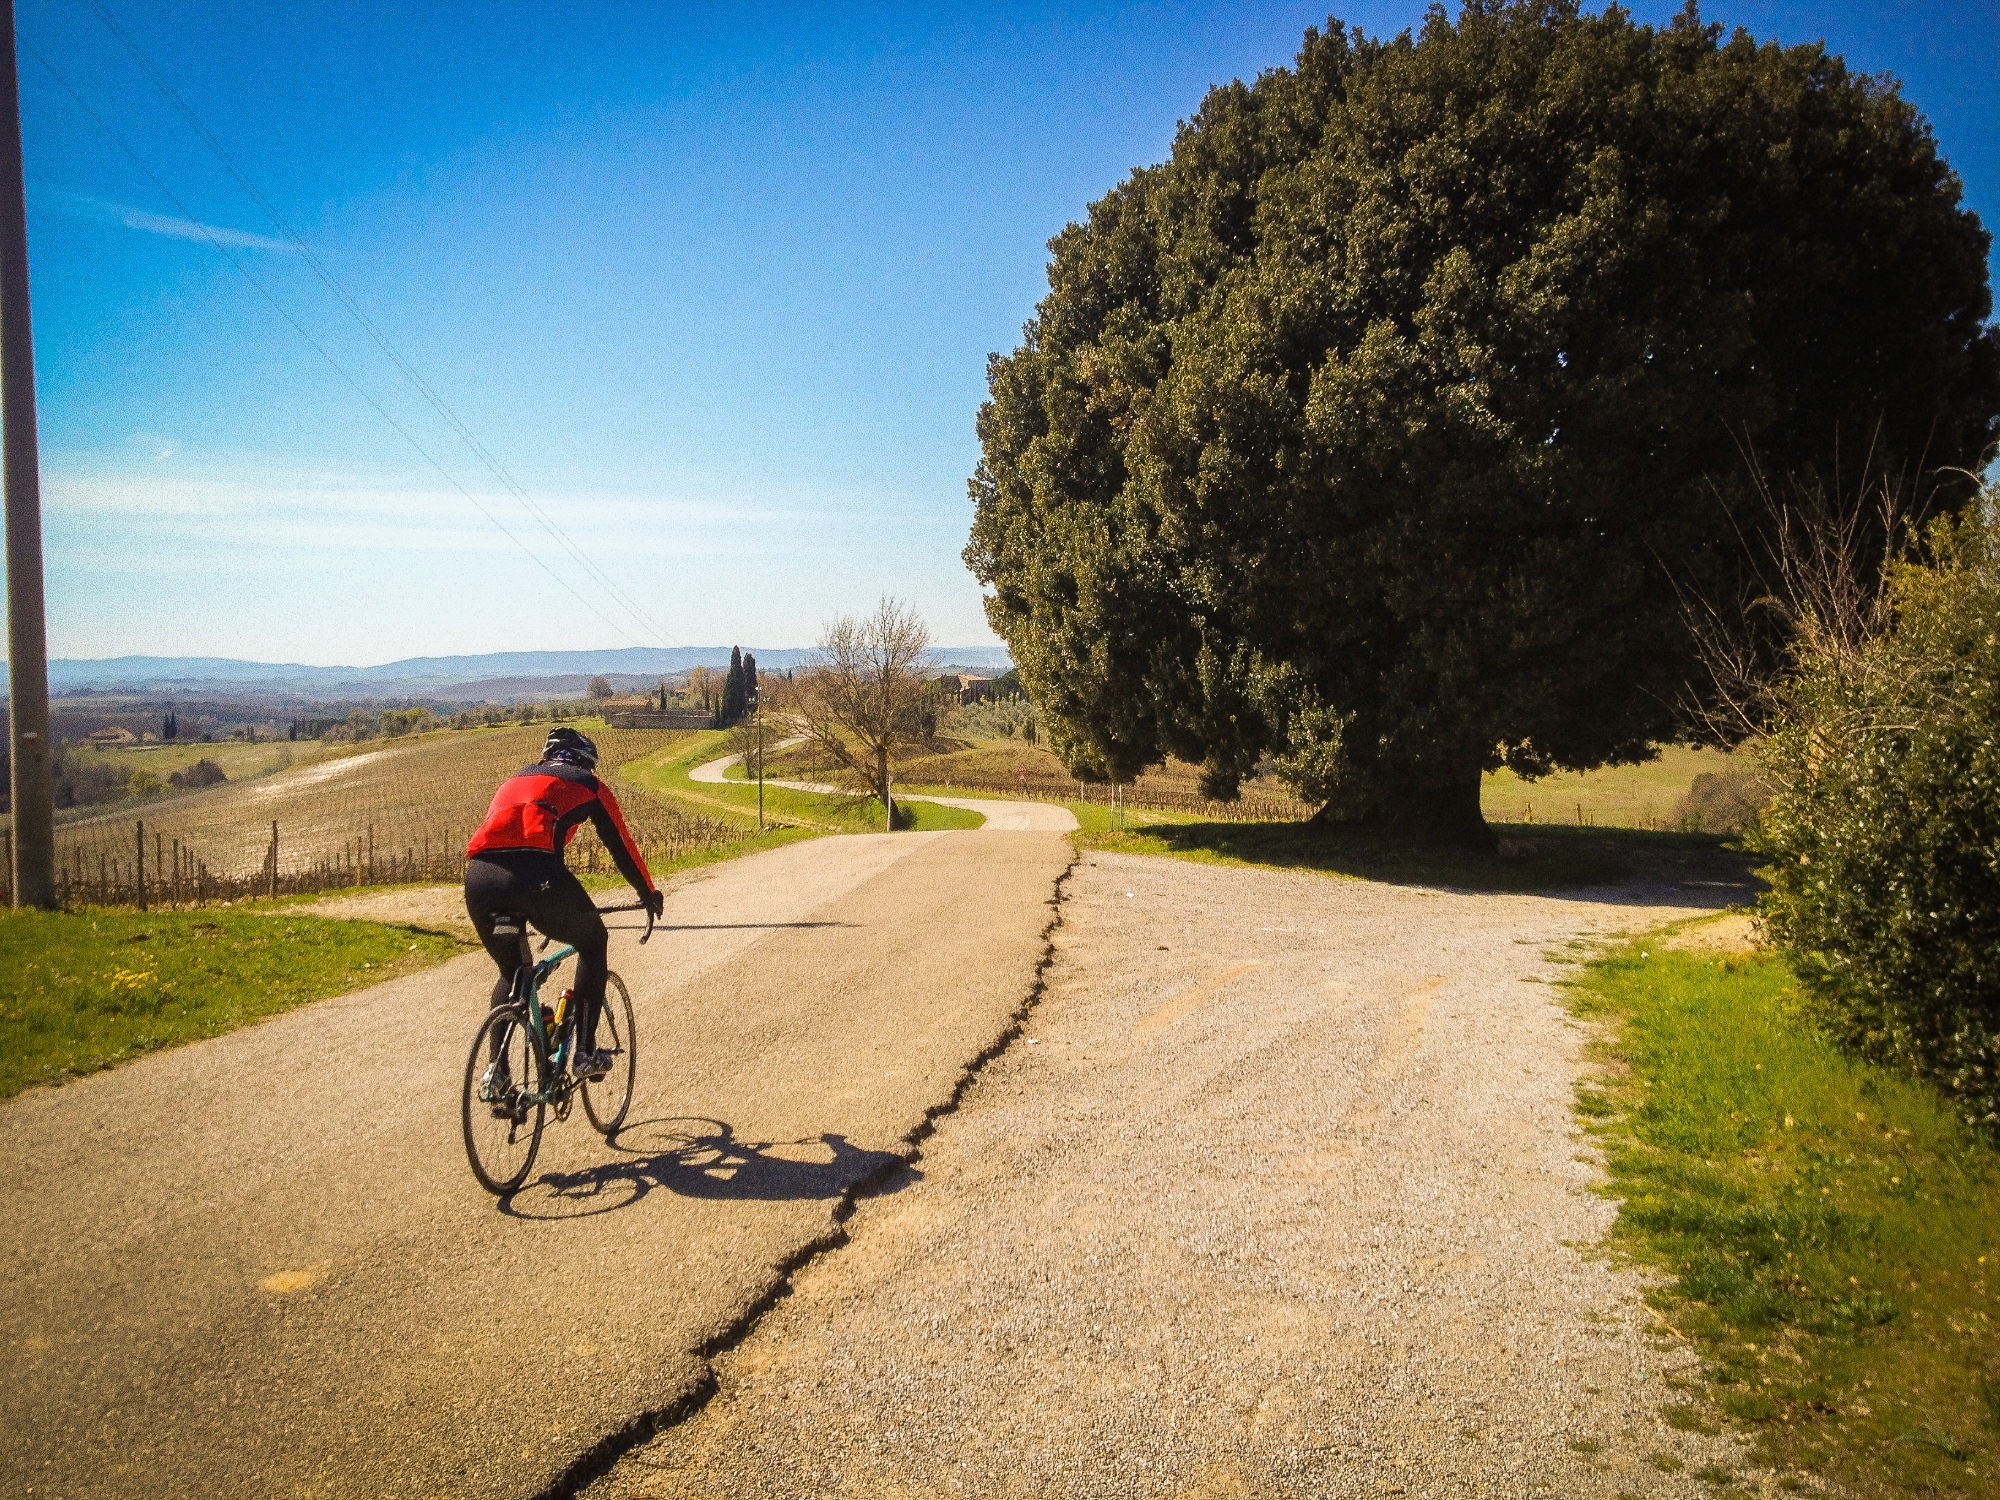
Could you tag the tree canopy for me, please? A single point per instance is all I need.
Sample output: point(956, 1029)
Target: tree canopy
point(1383, 425)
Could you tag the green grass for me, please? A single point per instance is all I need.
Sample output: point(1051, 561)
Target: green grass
point(927, 816)
point(240, 761)
point(81, 990)
point(849, 815)
point(666, 774)
point(1644, 795)
point(1831, 1231)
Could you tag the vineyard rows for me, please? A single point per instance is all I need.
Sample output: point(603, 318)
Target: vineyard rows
point(387, 816)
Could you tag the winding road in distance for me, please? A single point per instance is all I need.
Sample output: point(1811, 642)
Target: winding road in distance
point(1002, 816)
point(259, 1266)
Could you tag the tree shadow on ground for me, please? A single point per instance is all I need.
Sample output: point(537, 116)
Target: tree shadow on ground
point(694, 1157)
point(1625, 866)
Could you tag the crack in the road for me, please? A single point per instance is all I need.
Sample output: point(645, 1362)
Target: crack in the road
point(598, 1459)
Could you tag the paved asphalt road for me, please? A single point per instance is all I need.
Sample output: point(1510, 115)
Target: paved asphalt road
point(259, 1266)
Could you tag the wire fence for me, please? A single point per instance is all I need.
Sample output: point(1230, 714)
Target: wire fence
point(1251, 809)
point(158, 870)
point(390, 816)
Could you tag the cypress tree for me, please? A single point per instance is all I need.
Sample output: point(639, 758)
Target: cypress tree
point(733, 695)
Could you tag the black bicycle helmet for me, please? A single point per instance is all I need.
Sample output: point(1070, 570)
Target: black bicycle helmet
point(570, 747)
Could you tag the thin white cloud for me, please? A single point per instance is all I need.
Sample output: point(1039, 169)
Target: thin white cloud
point(121, 515)
point(182, 229)
point(159, 448)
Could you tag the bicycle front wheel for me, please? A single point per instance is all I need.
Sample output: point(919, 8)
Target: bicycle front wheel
point(501, 1117)
point(607, 1099)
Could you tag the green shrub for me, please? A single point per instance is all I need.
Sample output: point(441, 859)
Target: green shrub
point(1723, 801)
point(203, 772)
point(82, 780)
point(1884, 834)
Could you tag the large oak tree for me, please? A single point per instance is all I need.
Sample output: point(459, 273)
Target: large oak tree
point(1382, 425)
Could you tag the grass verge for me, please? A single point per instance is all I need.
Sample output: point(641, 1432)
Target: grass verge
point(83, 989)
point(666, 774)
point(1831, 1231)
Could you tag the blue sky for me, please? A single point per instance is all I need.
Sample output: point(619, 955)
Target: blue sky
point(714, 285)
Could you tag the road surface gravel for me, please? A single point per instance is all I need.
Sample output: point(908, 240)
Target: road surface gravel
point(1279, 1193)
point(259, 1266)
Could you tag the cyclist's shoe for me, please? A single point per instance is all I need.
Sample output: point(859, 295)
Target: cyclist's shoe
point(497, 1083)
point(592, 1065)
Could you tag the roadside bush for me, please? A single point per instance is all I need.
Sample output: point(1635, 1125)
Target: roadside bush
point(1884, 833)
point(1723, 801)
point(144, 786)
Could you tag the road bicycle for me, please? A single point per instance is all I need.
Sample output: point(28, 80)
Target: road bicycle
point(518, 1069)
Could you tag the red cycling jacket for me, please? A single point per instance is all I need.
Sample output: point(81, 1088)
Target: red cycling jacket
point(542, 806)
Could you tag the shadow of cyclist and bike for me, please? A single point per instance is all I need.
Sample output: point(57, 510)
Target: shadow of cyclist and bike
point(702, 1158)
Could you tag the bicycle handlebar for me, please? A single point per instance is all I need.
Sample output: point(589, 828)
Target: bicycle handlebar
point(644, 906)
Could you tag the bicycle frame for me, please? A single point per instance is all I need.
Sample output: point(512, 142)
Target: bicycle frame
point(536, 972)
point(538, 1018)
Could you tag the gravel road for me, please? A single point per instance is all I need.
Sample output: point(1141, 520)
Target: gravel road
point(1279, 1194)
point(259, 1266)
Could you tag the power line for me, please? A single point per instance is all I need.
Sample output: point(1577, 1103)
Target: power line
point(394, 355)
point(319, 348)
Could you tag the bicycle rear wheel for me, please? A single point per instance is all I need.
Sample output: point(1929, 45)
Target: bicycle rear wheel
point(502, 1122)
point(607, 1099)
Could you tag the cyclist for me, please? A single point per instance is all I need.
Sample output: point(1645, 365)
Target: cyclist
point(514, 863)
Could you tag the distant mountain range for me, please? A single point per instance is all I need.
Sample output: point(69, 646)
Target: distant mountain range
point(457, 677)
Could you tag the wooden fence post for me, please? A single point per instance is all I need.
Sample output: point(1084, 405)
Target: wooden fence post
point(139, 870)
point(274, 856)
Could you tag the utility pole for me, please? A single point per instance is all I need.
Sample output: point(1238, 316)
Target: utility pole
point(757, 708)
point(27, 625)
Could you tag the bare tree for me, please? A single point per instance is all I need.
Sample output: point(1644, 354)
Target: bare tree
point(1819, 590)
point(861, 699)
point(701, 687)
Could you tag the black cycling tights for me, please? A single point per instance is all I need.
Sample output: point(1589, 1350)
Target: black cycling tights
point(535, 885)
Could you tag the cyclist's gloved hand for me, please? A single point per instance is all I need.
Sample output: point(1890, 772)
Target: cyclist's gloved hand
point(656, 902)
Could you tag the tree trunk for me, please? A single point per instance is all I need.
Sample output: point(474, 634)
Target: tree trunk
point(1440, 811)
